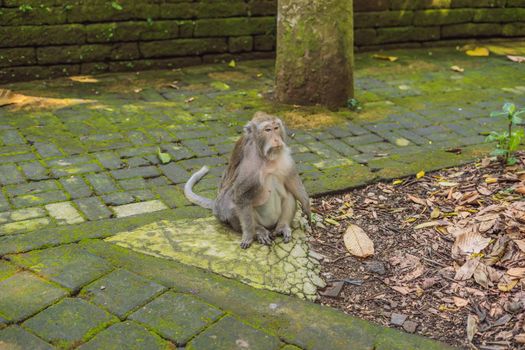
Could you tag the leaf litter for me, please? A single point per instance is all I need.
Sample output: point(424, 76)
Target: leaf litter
point(448, 253)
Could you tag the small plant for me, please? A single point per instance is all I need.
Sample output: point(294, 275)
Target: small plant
point(507, 141)
point(25, 8)
point(354, 105)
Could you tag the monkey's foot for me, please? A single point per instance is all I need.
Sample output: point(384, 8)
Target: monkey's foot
point(263, 236)
point(285, 231)
point(246, 243)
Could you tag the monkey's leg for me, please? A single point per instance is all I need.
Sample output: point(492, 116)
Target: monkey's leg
point(288, 212)
point(247, 220)
point(263, 235)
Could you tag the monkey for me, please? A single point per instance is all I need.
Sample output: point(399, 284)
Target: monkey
point(260, 186)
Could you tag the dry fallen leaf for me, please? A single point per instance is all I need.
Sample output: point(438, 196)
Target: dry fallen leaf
point(420, 174)
point(516, 272)
point(518, 59)
point(357, 242)
point(457, 69)
point(478, 52)
point(467, 270)
point(521, 190)
point(472, 327)
point(460, 302)
point(386, 58)
point(520, 338)
point(470, 242)
point(506, 286)
point(417, 200)
point(521, 244)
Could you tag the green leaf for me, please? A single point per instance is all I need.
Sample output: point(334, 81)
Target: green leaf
point(515, 140)
point(509, 108)
point(163, 157)
point(498, 114)
point(511, 161)
point(116, 6)
point(516, 120)
point(498, 152)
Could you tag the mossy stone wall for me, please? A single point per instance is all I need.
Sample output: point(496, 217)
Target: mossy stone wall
point(44, 38)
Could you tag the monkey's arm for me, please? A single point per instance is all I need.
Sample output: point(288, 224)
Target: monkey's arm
point(294, 184)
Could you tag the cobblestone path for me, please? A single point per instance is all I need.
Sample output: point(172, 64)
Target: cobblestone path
point(78, 164)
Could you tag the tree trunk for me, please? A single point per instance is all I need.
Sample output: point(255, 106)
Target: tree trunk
point(315, 52)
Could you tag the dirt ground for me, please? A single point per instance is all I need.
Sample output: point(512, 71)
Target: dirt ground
point(449, 254)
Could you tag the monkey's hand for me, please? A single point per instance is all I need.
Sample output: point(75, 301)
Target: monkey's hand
point(286, 231)
point(246, 243)
point(263, 236)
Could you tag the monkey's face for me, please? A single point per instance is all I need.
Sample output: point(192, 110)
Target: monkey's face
point(270, 138)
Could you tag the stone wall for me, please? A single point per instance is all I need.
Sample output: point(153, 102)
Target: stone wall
point(394, 23)
point(42, 38)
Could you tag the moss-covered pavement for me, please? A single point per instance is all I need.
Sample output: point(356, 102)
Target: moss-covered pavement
point(100, 249)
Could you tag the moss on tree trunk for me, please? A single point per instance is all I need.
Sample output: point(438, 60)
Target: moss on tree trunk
point(315, 47)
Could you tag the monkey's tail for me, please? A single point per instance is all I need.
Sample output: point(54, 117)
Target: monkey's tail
point(195, 198)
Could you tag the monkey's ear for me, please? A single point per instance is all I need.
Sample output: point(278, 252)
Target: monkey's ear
point(249, 128)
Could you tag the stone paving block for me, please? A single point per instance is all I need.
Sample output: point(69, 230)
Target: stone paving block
point(102, 183)
point(138, 138)
point(24, 294)
point(177, 317)
point(75, 169)
point(15, 158)
point(341, 147)
point(6, 270)
point(47, 150)
point(140, 161)
point(145, 172)
point(109, 160)
point(4, 204)
point(375, 148)
point(64, 213)
point(126, 335)
point(121, 292)
point(31, 200)
point(16, 338)
point(133, 184)
point(199, 147)
point(93, 208)
point(131, 152)
point(139, 208)
point(67, 265)
point(175, 173)
point(68, 161)
point(76, 187)
point(22, 214)
point(118, 198)
point(177, 151)
point(141, 195)
point(34, 171)
point(230, 333)
point(23, 226)
point(69, 322)
point(172, 196)
point(9, 174)
point(11, 137)
point(158, 181)
point(362, 139)
point(31, 188)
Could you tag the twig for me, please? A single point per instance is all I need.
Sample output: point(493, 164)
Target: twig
point(434, 262)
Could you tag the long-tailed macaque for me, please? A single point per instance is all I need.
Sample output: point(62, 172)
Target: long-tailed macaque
point(260, 186)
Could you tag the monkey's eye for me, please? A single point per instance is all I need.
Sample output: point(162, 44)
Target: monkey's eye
point(276, 128)
point(267, 129)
